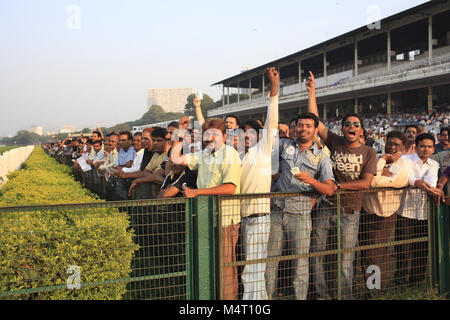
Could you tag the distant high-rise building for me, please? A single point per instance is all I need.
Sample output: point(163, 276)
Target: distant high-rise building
point(67, 129)
point(38, 130)
point(171, 100)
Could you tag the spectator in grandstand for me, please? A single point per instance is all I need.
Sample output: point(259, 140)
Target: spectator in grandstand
point(354, 166)
point(151, 178)
point(99, 154)
point(170, 129)
point(112, 155)
point(219, 171)
point(256, 178)
point(283, 131)
point(184, 123)
point(126, 154)
point(412, 214)
point(137, 145)
point(293, 128)
point(231, 122)
point(443, 180)
point(378, 217)
point(411, 133)
point(106, 150)
point(443, 144)
point(178, 178)
point(260, 122)
point(303, 168)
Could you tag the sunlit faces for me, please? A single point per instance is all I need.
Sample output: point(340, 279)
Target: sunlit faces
point(293, 129)
point(425, 149)
point(170, 130)
point(196, 135)
point(230, 123)
point(251, 136)
point(213, 139)
point(113, 142)
point(137, 142)
point(158, 144)
point(394, 145)
point(306, 130)
point(352, 129)
point(146, 141)
point(411, 134)
point(443, 138)
point(97, 146)
point(124, 142)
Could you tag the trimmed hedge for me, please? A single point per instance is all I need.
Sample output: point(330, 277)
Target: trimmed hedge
point(38, 246)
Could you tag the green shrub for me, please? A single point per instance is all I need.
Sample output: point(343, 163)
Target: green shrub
point(38, 246)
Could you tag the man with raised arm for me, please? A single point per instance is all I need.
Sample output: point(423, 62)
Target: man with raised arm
point(256, 178)
point(219, 172)
point(354, 166)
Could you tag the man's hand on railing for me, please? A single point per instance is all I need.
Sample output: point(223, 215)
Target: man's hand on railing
point(190, 193)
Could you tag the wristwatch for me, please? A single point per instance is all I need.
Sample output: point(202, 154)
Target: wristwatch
point(338, 184)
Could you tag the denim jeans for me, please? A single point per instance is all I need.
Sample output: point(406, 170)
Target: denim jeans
point(298, 230)
point(323, 220)
point(255, 238)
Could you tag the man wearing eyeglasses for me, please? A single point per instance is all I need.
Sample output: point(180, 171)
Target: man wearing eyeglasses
point(354, 166)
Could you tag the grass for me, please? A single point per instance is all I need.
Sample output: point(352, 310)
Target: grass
point(6, 148)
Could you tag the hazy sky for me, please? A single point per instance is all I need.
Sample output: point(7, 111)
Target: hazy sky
point(56, 69)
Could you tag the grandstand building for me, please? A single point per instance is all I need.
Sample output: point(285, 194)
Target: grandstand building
point(401, 64)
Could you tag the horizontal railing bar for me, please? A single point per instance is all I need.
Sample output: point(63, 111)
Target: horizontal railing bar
point(91, 284)
point(325, 253)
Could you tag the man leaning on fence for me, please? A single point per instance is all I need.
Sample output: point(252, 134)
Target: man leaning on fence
point(303, 168)
point(378, 217)
point(256, 178)
point(354, 166)
point(219, 173)
point(413, 213)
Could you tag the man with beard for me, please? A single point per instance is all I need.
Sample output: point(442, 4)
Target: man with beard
point(410, 133)
point(303, 168)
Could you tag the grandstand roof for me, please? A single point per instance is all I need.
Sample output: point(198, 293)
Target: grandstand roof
point(420, 11)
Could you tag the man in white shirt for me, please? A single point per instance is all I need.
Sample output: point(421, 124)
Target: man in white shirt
point(256, 178)
point(137, 144)
point(412, 214)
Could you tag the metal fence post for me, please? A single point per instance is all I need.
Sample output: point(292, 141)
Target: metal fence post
point(339, 258)
point(443, 248)
point(204, 253)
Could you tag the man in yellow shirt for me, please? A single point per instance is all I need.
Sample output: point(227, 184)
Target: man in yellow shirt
point(219, 173)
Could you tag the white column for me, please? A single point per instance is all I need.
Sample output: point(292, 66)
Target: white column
point(228, 95)
point(239, 92)
point(325, 68)
point(223, 95)
point(430, 99)
point(430, 39)
point(389, 104)
point(300, 74)
point(356, 106)
point(250, 85)
point(389, 50)
point(279, 82)
point(263, 85)
point(356, 58)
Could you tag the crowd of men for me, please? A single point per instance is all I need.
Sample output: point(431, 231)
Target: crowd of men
point(305, 156)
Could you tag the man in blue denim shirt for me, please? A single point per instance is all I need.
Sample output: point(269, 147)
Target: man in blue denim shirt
point(303, 168)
